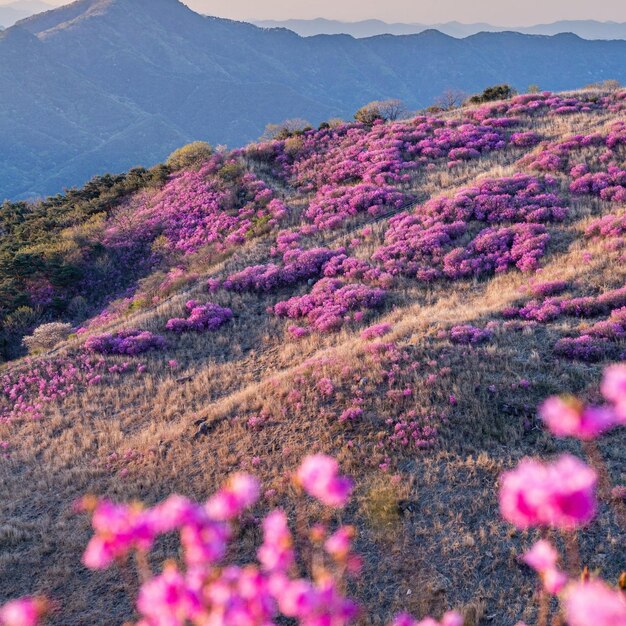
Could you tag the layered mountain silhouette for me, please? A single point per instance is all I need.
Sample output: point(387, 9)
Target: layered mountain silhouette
point(102, 85)
point(587, 29)
point(12, 12)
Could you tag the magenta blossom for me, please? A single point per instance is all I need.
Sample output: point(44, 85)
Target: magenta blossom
point(240, 493)
point(168, 600)
point(593, 603)
point(567, 417)
point(614, 390)
point(22, 612)
point(559, 494)
point(276, 553)
point(339, 544)
point(542, 557)
point(318, 476)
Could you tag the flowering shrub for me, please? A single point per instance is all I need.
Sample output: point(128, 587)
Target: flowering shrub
point(199, 207)
point(328, 305)
point(422, 244)
point(467, 334)
point(373, 332)
point(201, 317)
point(300, 265)
point(25, 390)
point(525, 140)
point(610, 228)
point(529, 104)
point(609, 185)
point(130, 342)
point(381, 155)
point(333, 205)
point(551, 288)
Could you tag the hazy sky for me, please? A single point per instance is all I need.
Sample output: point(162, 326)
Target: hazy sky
point(499, 12)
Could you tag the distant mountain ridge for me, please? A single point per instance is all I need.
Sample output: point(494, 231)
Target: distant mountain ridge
point(14, 11)
point(102, 85)
point(587, 29)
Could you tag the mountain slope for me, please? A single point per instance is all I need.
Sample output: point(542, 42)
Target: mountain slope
point(403, 295)
point(144, 75)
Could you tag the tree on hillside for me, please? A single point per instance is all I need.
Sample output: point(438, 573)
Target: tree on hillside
point(189, 156)
point(283, 130)
point(387, 110)
point(491, 94)
point(450, 99)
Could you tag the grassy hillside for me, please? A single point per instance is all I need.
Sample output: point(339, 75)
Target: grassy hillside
point(400, 296)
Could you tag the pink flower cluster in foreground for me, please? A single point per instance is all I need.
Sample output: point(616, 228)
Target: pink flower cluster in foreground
point(204, 588)
point(568, 417)
point(201, 317)
point(427, 243)
point(130, 342)
point(208, 591)
point(330, 303)
point(559, 494)
point(319, 477)
point(23, 612)
point(543, 559)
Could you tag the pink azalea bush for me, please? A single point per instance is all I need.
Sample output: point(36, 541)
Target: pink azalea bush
point(428, 243)
point(300, 265)
point(383, 154)
point(197, 208)
point(331, 303)
point(467, 334)
point(333, 205)
point(609, 228)
point(201, 317)
point(25, 390)
point(130, 342)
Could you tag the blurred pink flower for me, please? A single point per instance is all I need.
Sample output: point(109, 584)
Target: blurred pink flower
point(593, 603)
point(559, 494)
point(318, 476)
point(542, 557)
point(568, 417)
point(240, 492)
point(22, 612)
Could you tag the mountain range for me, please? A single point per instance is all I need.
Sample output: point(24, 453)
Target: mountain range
point(587, 29)
point(12, 12)
point(102, 85)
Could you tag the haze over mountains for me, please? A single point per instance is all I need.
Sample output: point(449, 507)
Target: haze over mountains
point(11, 12)
point(102, 85)
point(587, 29)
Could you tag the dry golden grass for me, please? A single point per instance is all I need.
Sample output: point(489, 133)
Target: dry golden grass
point(431, 538)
